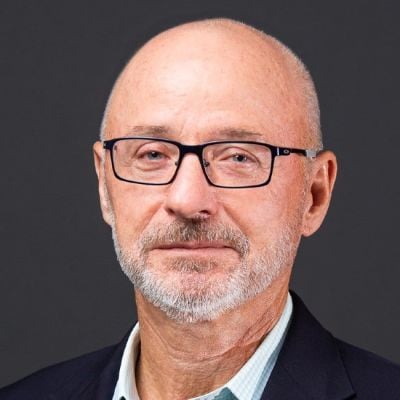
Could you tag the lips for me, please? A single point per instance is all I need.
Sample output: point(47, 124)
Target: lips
point(193, 245)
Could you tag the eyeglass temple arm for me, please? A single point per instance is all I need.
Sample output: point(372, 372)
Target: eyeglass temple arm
point(107, 144)
point(285, 151)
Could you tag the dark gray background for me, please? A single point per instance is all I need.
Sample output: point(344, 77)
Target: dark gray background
point(61, 290)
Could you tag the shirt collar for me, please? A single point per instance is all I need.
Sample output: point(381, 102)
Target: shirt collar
point(247, 384)
point(126, 384)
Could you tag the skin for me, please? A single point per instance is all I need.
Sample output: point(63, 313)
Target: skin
point(196, 81)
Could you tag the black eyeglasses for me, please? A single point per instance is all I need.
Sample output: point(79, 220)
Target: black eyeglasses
point(226, 164)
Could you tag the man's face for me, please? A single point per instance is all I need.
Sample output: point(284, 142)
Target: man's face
point(192, 249)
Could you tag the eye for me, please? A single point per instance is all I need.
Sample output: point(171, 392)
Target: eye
point(154, 155)
point(234, 155)
point(240, 158)
point(152, 152)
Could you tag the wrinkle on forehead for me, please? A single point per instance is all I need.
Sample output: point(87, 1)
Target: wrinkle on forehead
point(219, 47)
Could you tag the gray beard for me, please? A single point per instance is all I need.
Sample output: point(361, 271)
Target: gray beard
point(209, 299)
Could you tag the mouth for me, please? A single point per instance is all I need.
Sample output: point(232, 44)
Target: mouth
point(193, 245)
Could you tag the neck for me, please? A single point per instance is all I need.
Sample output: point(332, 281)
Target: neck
point(180, 361)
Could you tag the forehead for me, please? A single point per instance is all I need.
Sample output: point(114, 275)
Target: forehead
point(201, 83)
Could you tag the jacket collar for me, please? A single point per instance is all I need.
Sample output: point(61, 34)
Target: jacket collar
point(309, 365)
point(101, 381)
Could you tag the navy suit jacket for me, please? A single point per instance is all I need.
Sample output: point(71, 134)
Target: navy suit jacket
point(312, 365)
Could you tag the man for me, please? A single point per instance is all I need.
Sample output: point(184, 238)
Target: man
point(210, 171)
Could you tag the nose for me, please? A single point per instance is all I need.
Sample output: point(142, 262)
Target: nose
point(190, 196)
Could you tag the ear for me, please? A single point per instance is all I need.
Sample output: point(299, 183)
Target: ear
point(105, 205)
point(323, 176)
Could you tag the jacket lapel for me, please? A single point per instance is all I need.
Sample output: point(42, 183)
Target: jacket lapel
point(100, 384)
point(309, 365)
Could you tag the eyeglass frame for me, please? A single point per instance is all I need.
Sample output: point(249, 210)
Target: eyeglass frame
point(198, 150)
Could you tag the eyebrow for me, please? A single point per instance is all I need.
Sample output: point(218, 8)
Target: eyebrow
point(217, 134)
point(148, 130)
point(237, 133)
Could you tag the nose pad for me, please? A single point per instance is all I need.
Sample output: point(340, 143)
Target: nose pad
point(205, 162)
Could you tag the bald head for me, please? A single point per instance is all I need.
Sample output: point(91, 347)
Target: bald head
point(216, 57)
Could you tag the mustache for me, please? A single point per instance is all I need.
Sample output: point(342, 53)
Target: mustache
point(194, 231)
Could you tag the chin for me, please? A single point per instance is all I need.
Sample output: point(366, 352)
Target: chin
point(190, 297)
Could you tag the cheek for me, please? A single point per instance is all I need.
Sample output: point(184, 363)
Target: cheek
point(134, 206)
point(261, 213)
point(256, 213)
